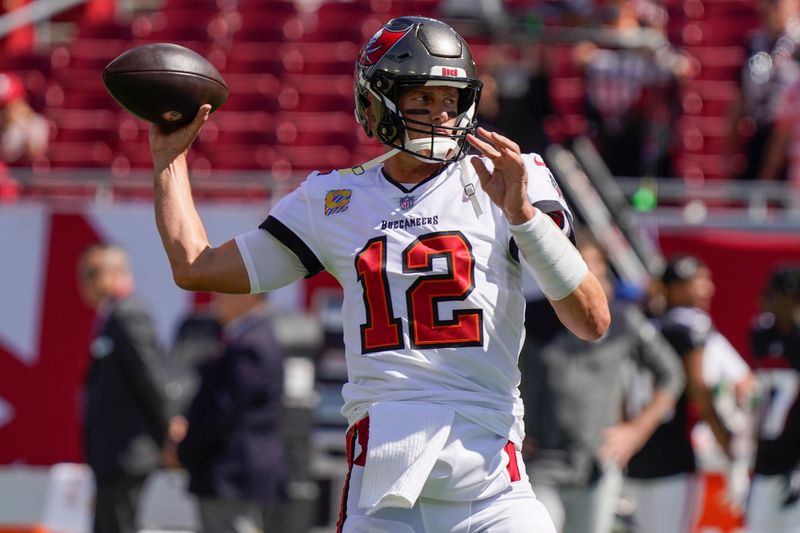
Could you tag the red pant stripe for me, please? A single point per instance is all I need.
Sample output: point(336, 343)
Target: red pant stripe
point(513, 467)
point(351, 441)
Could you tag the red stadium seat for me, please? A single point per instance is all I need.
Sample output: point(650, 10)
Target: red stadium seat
point(275, 7)
point(321, 84)
point(93, 53)
point(304, 159)
point(79, 154)
point(730, 31)
point(137, 153)
point(107, 119)
point(326, 102)
point(266, 26)
point(305, 129)
point(252, 137)
point(256, 58)
point(326, 58)
point(242, 121)
point(425, 8)
point(106, 30)
point(209, 7)
point(89, 100)
point(343, 28)
point(335, 8)
point(303, 121)
point(242, 157)
point(89, 133)
point(241, 101)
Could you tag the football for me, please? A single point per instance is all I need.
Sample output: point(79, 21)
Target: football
point(164, 83)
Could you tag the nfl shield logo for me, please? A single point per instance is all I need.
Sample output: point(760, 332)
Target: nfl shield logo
point(406, 202)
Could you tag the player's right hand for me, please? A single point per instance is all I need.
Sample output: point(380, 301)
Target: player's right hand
point(166, 146)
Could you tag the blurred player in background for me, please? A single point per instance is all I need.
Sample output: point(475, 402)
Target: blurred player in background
point(430, 262)
point(125, 419)
point(774, 504)
point(662, 476)
point(576, 441)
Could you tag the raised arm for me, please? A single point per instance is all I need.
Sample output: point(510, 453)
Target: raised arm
point(196, 265)
point(574, 292)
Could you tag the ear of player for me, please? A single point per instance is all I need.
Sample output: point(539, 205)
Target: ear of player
point(164, 83)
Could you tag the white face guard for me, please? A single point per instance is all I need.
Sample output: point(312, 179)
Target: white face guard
point(437, 147)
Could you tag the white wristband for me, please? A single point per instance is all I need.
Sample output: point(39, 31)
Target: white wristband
point(555, 264)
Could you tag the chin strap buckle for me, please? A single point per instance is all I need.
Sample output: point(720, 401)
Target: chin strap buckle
point(360, 169)
point(469, 186)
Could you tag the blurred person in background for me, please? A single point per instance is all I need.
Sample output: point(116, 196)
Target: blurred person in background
point(774, 503)
point(233, 450)
point(23, 132)
point(630, 98)
point(782, 157)
point(196, 340)
point(661, 477)
point(515, 98)
point(125, 419)
point(770, 66)
point(577, 443)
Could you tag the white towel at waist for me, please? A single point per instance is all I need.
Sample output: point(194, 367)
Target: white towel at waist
point(405, 439)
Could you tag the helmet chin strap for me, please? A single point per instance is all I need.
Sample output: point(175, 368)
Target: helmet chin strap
point(442, 146)
point(363, 167)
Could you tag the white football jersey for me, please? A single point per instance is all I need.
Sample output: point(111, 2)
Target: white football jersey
point(433, 306)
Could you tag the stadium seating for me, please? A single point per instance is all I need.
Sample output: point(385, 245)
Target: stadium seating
point(286, 63)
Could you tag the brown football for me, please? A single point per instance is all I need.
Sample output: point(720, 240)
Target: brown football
point(164, 83)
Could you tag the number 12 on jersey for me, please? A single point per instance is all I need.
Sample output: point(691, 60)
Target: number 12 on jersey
point(383, 331)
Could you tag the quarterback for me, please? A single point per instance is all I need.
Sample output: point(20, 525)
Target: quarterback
point(428, 244)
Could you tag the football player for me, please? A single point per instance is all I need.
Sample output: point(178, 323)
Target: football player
point(662, 476)
point(774, 504)
point(428, 245)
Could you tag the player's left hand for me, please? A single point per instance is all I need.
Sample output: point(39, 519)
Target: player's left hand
point(507, 184)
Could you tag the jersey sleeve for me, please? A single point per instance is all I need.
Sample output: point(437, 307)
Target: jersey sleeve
point(270, 265)
point(686, 336)
point(291, 223)
point(545, 194)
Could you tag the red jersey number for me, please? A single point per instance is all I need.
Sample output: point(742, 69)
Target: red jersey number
point(426, 329)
